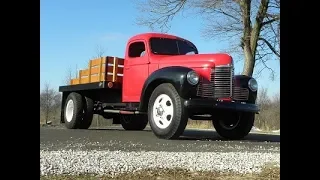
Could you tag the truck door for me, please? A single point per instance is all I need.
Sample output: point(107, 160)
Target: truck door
point(135, 71)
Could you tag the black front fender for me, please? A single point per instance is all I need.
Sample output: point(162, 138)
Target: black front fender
point(242, 81)
point(176, 75)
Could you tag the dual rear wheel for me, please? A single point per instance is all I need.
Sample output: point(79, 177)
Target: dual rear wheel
point(78, 111)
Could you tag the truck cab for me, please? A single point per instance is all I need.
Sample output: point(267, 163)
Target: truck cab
point(163, 81)
point(146, 53)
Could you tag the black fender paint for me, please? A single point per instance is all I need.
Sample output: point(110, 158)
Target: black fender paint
point(176, 75)
point(242, 81)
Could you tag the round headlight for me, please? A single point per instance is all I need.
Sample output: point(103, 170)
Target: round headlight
point(193, 77)
point(253, 85)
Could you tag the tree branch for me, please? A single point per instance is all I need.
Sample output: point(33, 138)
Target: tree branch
point(270, 46)
point(271, 21)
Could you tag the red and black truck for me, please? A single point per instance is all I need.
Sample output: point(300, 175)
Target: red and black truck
point(162, 80)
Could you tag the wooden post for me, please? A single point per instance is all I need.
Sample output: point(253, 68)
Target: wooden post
point(100, 68)
point(89, 78)
point(115, 69)
point(80, 76)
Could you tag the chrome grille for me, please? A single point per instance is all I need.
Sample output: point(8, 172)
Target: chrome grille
point(205, 89)
point(222, 81)
point(221, 85)
point(240, 94)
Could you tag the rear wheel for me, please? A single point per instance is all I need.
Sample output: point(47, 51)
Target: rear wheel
point(133, 122)
point(234, 126)
point(167, 116)
point(86, 121)
point(73, 110)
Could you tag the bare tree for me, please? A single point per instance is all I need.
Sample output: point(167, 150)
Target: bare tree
point(99, 51)
point(251, 26)
point(49, 101)
point(68, 76)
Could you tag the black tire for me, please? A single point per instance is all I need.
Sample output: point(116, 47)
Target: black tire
point(243, 123)
point(177, 120)
point(73, 117)
point(85, 123)
point(133, 122)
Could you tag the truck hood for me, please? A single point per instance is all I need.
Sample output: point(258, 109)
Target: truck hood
point(196, 60)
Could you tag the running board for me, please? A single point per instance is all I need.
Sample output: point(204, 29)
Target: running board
point(122, 111)
point(201, 117)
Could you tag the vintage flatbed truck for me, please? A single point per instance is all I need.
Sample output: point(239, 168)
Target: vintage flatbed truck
point(164, 81)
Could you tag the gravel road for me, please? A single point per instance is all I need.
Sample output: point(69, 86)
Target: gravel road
point(113, 151)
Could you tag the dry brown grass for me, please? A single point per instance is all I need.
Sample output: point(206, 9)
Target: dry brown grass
point(200, 124)
point(269, 172)
point(269, 117)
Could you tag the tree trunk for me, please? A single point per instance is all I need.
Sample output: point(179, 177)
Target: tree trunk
point(251, 34)
point(248, 62)
point(47, 114)
point(249, 59)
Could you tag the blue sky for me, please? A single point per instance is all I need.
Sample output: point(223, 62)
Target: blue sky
point(71, 30)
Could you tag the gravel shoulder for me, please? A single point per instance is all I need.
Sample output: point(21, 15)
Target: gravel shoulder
point(115, 162)
point(112, 152)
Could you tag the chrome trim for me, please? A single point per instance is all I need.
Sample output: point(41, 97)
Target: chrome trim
point(221, 85)
point(240, 94)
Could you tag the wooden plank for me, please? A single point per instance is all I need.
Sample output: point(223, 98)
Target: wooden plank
point(98, 61)
point(89, 71)
point(109, 77)
point(115, 69)
point(109, 68)
point(80, 76)
point(84, 73)
point(84, 80)
point(96, 70)
point(74, 81)
point(120, 61)
point(100, 68)
point(120, 70)
point(103, 77)
point(94, 78)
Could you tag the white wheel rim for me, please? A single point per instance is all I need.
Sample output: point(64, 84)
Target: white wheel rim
point(69, 110)
point(163, 111)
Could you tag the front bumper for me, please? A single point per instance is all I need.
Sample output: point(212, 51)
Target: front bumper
point(210, 104)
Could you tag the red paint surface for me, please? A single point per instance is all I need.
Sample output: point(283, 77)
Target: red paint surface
point(137, 70)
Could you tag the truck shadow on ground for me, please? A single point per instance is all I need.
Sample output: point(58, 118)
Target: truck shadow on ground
point(205, 135)
point(201, 135)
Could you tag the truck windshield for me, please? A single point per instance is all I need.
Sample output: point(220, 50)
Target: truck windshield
point(165, 46)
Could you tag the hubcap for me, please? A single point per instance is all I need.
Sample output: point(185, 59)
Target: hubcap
point(163, 111)
point(69, 110)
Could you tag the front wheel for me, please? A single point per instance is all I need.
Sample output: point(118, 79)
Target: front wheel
point(167, 116)
point(234, 126)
